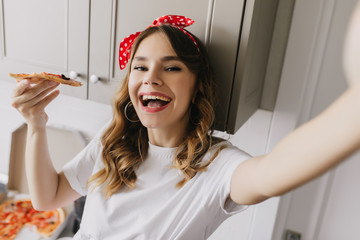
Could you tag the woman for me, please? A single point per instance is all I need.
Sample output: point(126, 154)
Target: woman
point(156, 172)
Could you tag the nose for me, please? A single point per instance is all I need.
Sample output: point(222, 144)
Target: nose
point(152, 78)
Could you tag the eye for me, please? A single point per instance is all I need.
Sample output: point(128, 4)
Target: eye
point(173, 69)
point(140, 68)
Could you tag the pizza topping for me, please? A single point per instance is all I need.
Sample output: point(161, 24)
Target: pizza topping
point(51, 74)
point(9, 207)
point(64, 77)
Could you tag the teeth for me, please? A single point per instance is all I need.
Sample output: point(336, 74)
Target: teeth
point(151, 97)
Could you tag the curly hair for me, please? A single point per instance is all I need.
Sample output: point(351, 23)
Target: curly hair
point(125, 143)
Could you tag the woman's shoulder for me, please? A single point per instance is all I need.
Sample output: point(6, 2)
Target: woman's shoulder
point(222, 159)
point(226, 154)
point(226, 148)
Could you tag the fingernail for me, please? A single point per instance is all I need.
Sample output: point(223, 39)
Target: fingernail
point(25, 82)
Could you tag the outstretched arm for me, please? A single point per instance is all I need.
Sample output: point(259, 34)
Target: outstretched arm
point(313, 148)
point(48, 189)
point(304, 154)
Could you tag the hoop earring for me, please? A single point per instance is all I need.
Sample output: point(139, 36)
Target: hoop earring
point(125, 110)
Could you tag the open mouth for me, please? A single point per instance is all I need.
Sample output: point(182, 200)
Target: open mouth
point(154, 101)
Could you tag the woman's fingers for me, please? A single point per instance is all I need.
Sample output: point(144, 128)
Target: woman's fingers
point(48, 99)
point(20, 88)
point(31, 100)
point(37, 95)
point(25, 96)
point(36, 90)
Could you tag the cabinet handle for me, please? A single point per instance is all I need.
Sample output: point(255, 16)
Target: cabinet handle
point(73, 75)
point(94, 79)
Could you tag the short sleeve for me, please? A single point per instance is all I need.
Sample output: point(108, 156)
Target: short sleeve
point(81, 167)
point(227, 205)
point(219, 173)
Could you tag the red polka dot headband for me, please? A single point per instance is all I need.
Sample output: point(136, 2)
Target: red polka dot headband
point(174, 20)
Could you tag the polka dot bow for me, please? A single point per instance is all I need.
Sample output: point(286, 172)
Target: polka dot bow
point(174, 20)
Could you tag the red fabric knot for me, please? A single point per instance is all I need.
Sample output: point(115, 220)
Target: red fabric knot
point(177, 21)
point(125, 49)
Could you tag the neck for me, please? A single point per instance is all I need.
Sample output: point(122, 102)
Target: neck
point(166, 138)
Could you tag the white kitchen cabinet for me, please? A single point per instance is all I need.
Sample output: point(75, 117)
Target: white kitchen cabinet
point(45, 35)
point(60, 36)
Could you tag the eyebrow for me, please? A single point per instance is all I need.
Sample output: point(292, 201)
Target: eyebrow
point(163, 59)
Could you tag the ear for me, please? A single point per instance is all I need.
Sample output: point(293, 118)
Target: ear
point(351, 59)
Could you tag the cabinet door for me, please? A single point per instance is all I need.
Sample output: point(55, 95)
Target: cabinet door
point(257, 32)
point(225, 32)
point(113, 20)
point(45, 36)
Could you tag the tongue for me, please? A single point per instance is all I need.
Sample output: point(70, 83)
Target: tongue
point(156, 103)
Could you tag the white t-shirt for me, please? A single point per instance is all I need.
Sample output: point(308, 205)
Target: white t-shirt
point(156, 209)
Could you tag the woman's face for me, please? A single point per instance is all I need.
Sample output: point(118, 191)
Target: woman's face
point(161, 87)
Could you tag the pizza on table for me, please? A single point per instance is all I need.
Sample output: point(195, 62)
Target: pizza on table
point(16, 214)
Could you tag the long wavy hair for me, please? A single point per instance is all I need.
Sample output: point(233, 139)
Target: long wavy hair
point(125, 143)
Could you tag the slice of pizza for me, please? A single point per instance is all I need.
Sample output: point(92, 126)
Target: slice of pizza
point(46, 222)
point(39, 77)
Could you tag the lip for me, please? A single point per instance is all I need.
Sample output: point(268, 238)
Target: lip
point(157, 109)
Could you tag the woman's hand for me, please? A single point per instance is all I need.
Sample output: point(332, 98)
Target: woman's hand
point(31, 100)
